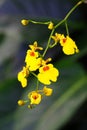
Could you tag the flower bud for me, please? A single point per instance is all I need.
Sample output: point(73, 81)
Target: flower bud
point(50, 26)
point(24, 22)
point(21, 102)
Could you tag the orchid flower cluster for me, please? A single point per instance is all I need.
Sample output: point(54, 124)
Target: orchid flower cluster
point(42, 68)
point(47, 73)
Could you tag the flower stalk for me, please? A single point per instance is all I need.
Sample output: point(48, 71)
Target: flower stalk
point(40, 68)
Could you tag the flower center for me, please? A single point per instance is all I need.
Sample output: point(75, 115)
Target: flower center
point(64, 40)
point(32, 53)
point(25, 72)
point(35, 97)
point(45, 68)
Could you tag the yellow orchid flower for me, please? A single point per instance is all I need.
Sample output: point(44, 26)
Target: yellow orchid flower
point(47, 91)
point(34, 97)
point(22, 76)
point(68, 45)
point(32, 61)
point(56, 37)
point(35, 47)
point(47, 73)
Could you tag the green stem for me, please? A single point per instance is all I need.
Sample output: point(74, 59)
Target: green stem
point(37, 87)
point(69, 13)
point(48, 42)
point(35, 22)
point(33, 74)
point(61, 22)
point(57, 25)
point(51, 46)
point(67, 30)
point(26, 101)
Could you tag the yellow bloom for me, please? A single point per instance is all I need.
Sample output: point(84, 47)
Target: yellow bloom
point(32, 61)
point(34, 47)
point(50, 26)
point(24, 22)
point(56, 37)
point(47, 73)
point(69, 46)
point(34, 97)
point(44, 62)
point(31, 54)
point(47, 91)
point(22, 76)
point(34, 64)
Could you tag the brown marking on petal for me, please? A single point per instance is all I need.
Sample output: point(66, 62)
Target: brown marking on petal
point(45, 68)
point(27, 72)
point(23, 72)
point(32, 53)
point(35, 97)
point(64, 40)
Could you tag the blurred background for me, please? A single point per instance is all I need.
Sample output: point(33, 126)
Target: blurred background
point(66, 109)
